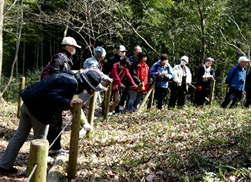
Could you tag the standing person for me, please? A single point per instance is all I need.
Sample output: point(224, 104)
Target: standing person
point(124, 98)
point(162, 70)
point(205, 74)
point(118, 72)
point(120, 52)
point(139, 72)
point(41, 103)
point(182, 78)
point(236, 81)
point(248, 90)
point(61, 61)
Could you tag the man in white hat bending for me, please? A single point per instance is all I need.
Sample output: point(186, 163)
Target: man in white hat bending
point(236, 79)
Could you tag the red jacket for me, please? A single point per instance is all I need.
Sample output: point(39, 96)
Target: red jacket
point(118, 74)
point(140, 72)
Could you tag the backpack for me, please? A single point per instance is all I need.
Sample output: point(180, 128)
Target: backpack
point(46, 70)
point(234, 72)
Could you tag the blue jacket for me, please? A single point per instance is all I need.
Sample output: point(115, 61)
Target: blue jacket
point(236, 78)
point(160, 80)
point(48, 98)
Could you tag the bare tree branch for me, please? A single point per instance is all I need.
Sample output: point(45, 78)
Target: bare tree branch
point(135, 31)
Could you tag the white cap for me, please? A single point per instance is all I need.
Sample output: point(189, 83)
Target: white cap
point(243, 58)
point(70, 41)
point(122, 48)
point(185, 58)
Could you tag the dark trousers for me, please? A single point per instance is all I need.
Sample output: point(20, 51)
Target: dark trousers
point(177, 93)
point(160, 95)
point(54, 131)
point(200, 95)
point(234, 95)
point(248, 98)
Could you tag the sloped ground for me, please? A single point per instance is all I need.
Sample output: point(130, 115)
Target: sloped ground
point(189, 144)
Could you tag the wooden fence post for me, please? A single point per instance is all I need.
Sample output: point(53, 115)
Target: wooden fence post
point(91, 112)
point(151, 97)
point(107, 100)
point(22, 85)
point(73, 154)
point(38, 155)
point(211, 96)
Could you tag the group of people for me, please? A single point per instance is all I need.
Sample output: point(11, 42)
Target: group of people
point(43, 102)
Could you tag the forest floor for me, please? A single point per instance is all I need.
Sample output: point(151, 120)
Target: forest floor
point(189, 144)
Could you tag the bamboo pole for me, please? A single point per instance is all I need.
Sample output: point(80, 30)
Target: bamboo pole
point(107, 100)
point(75, 127)
point(91, 112)
point(38, 155)
point(146, 97)
point(22, 85)
point(211, 95)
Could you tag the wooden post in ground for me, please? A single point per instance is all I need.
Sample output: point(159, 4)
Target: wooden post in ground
point(211, 96)
point(151, 97)
point(107, 100)
point(38, 155)
point(146, 97)
point(91, 112)
point(73, 154)
point(22, 85)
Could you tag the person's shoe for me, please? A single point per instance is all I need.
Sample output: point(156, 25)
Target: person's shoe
point(8, 171)
point(121, 108)
point(59, 151)
point(50, 160)
point(111, 113)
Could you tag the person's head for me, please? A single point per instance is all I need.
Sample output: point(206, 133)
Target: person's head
point(164, 59)
point(121, 50)
point(142, 57)
point(243, 61)
point(209, 61)
point(124, 62)
point(89, 79)
point(136, 50)
point(99, 53)
point(70, 44)
point(184, 60)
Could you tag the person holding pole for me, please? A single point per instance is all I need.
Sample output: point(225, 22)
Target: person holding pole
point(42, 102)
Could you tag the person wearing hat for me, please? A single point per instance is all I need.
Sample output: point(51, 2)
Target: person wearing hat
point(162, 70)
point(60, 62)
point(236, 79)
point(42, 102)
point(120, 52)
point(139, 72)
point(96, 61)
point(182, 78)
point(205, 74)
point(63, 59)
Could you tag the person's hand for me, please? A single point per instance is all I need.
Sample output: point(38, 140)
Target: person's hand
point(158, 74)
point(179, 83)
point(110, 80)
point(135, 86)
point(122, 86)
point(164, 75)
point(169, 76)
point(76, 101)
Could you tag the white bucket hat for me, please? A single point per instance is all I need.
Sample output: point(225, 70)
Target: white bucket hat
point(70, 41)
point(185, 58)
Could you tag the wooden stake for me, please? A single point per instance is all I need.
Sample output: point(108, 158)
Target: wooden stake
point(20, 102)
point(38, 155)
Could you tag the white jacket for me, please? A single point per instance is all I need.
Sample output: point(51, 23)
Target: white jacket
point(178, 73)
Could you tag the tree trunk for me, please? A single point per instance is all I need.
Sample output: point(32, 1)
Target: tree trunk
point(1, 36)
point(202, 27)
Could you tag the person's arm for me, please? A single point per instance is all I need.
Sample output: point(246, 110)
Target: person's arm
point(114, 75)
point(153, 70)
point(58, 63)
point(134, 74)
